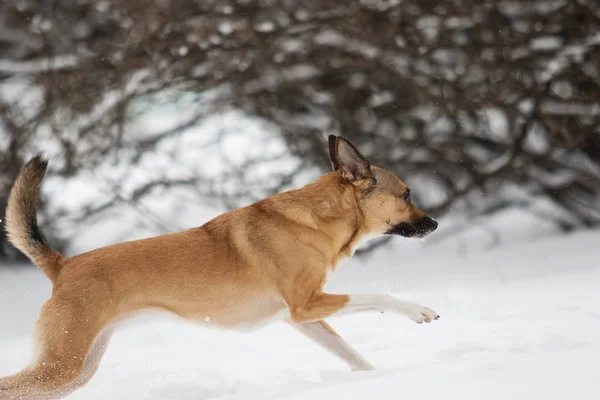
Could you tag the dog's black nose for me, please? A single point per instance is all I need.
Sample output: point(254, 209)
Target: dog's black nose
point(428, 225)
point(434, 225)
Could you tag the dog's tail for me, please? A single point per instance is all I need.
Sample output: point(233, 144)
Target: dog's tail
point(21, 218)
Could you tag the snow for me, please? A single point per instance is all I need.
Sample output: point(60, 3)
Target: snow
point(429, 27)
point(567, 55)
point(38, 66)
point(265, 26)
point(546, 43)
point(226, 28)
point(518, 321)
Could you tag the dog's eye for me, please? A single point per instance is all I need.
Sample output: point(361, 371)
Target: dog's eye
point(406, 196)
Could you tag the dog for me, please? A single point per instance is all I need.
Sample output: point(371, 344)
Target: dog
point(261, 263)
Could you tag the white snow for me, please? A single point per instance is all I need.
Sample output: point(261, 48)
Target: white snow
point(226, 28)
point(519, 321)
point(265, 26)
point(546, 43)
point(39, 65)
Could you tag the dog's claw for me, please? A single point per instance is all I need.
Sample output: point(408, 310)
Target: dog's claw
point(421, 314)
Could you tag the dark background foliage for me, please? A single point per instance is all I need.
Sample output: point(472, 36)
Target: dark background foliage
point(487, 104)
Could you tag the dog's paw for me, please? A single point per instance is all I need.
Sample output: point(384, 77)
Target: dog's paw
point(420, 314)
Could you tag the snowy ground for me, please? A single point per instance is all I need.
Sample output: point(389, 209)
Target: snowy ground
point(519, 321)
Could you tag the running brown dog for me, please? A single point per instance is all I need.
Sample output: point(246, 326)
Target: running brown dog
point(265, 262)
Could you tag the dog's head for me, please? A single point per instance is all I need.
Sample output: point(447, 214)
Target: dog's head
point(381, 196)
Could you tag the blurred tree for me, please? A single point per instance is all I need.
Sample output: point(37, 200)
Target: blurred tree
point(487, 104)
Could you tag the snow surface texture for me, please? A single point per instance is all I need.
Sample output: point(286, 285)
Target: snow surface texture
point(518, 321)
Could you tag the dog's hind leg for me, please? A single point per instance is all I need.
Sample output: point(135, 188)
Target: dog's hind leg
point(92, 361)
point(324, 335)
point(65, 361)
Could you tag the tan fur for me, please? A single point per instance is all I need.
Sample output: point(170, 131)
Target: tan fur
point(21, 218)
point(240, 269)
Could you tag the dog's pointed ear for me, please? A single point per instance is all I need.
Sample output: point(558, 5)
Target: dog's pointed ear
point(332, 155)
point(345, 157)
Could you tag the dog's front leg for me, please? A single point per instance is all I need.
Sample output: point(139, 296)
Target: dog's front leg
point(324, 335)
point(321, 305)
point(386, 303)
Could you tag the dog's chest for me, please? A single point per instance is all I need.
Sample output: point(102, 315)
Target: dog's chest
point(255, 313)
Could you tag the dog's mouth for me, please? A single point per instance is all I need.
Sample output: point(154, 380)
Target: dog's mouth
point(418, 229)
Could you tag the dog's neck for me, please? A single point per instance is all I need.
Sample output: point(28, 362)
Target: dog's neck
point(328, 206)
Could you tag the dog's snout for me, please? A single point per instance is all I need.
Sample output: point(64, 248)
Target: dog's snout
point(417, 228)
point(430, 224)
point(426, 225)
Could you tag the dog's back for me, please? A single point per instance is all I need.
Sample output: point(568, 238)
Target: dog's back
point(230, 269)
